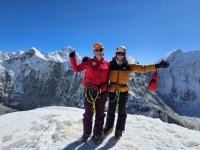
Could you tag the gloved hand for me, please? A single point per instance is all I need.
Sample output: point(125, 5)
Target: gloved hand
point(85, 59)
point(72, 54)
point(163, 64)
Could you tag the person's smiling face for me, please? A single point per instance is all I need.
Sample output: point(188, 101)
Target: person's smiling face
point(98, 53)
point(120, 56)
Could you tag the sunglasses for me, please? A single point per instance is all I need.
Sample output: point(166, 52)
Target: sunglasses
point(99, 50)
point(121, 54)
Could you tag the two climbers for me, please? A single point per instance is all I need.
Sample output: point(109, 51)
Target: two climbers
point(98, 72)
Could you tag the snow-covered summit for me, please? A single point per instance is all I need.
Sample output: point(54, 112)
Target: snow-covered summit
point(131, 60)
point(179, 84)
point(60, 128)
point(57, 56)
point(63, 54)
point(3, 56)
point(178, 56)
point(16, 53)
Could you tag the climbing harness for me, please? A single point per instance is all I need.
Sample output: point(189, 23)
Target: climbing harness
point(117, 92)
point(91, 93)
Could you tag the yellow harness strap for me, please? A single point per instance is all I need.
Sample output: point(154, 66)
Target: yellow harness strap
point(117, 96)
point(92, 101)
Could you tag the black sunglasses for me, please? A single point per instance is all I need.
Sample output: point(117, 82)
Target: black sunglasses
point(121, 54)
point(99, 50)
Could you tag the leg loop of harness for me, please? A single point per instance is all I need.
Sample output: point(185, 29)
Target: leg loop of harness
point(92, 92)
point(117, 97)
point(92, 100)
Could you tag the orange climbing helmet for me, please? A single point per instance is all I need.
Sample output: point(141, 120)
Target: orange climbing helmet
point(98, 45)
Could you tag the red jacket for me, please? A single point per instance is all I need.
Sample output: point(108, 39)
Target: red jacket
point(97, 72)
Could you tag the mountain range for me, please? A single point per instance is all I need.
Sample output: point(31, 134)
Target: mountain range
point(33, 79)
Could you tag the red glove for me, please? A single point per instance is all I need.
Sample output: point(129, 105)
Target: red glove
point(153, 83)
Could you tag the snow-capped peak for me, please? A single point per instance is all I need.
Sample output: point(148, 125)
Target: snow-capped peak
point(33, 53)
point(3, 56)
point(131, 60)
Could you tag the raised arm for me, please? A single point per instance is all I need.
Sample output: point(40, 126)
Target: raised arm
point(75, 67)
point(142, 68)
point(148, 68)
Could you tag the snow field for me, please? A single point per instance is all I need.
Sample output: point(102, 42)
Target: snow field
point(60, 128)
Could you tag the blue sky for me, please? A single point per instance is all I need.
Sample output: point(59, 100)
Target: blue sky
point(149, 29)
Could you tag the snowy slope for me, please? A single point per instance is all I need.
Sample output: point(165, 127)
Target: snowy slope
point(60, 128)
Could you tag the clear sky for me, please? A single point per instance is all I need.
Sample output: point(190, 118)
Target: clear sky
point(149, 29)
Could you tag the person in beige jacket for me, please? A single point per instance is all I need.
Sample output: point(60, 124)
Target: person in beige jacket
point(120, 71)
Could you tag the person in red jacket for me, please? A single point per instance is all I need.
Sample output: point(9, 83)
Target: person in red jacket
point(95, 84)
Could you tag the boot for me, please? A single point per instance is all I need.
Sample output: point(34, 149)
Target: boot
point(107, 130)
point(85, 137)
point(97, 139)
point(118, 134)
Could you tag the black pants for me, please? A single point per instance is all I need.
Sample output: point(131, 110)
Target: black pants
point(121, 120)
